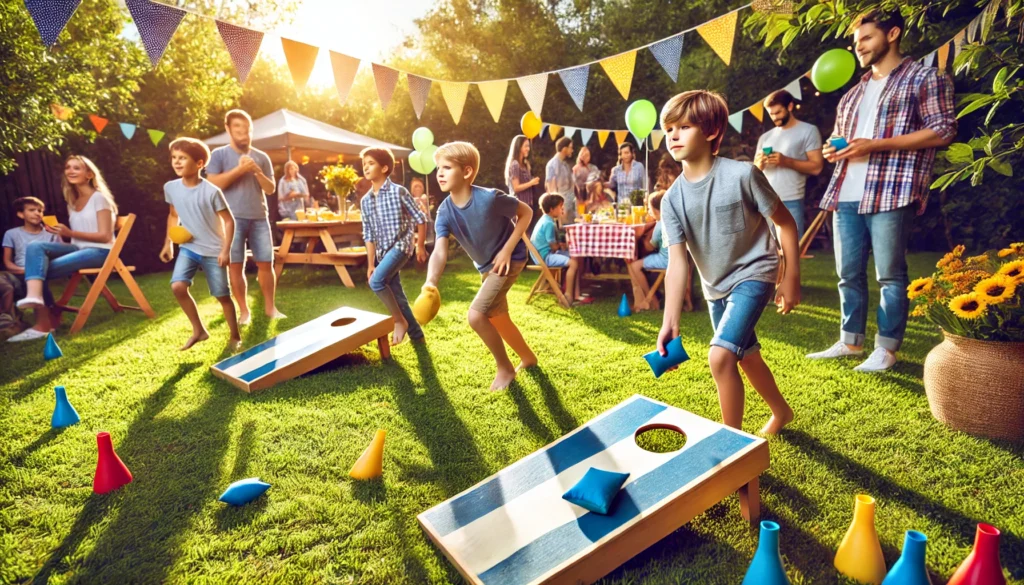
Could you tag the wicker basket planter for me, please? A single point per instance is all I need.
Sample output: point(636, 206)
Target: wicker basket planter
point(977, 386)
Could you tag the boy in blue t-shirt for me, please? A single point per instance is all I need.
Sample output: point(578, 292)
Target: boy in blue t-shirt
point(657, 259)
point(554, 253)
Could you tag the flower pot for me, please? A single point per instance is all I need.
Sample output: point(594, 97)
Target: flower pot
point(975, 386)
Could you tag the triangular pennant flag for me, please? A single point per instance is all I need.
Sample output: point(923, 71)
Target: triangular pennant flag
point(720, 33)
point(972, 29)
point(794, 89)
point(98, 123)
point(569, 131)
point(958, 41)
point(419, 89)
point(301, 58)
point(156, 136)
point(929, 59)
point(534, 87)
point(386, 79)
point(127, 129)
point(543, 131)
point(585, 135)
point(243, 45)
point(736, 121)
point(62, 113)
point(454, 93)
point(667, 53)
point(602, 137)
point(943, 56)
point(575, 81)
point(758, 111)
point(345, 69)
point(51, 16)
point(493, 93)
point(656, 137)
point(156, 24)
point(620, 136)
point(553, 130)
point(620, 70)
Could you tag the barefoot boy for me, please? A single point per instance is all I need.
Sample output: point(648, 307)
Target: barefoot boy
point(481, 221)
point(203, 211)
point(717, 210)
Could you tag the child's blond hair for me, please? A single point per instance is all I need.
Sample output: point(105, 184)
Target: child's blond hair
point(463, 154)
point(704, 109)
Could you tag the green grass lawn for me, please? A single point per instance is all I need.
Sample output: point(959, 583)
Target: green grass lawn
point(186, 435)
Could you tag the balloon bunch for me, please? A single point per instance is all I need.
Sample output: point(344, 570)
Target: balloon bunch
point(422, 159)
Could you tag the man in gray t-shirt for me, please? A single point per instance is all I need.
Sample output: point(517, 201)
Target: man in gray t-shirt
point(559, 179)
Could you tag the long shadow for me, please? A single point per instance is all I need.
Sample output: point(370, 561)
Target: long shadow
point(18, 459)
point(230, 516)
point(563, 418)
point(527, 414)
point(151, 514)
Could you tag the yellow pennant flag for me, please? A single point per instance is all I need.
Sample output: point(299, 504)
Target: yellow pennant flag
point(720, 33)
point(620, 136)
point(943, 56)
point(602, 137)
point(758, 111)
point(301, 58)
point(620, 70)
point(454, 93)
point(553, 130)
point(493, 93)
point(656, 137)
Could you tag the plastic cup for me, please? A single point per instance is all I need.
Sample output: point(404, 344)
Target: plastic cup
point(767, 150)
point(300, 214)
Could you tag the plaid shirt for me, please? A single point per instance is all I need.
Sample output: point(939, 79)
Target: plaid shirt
point(624, 183)
point(915, 97)
point(389, 217)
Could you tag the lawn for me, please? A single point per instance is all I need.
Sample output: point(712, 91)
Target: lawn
point(186, 435)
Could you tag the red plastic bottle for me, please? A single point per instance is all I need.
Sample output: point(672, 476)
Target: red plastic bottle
point(981, 567)
point(111, 472)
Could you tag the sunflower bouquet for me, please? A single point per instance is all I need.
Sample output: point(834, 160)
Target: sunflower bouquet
point(979, 297)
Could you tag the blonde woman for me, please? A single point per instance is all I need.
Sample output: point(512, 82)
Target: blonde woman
point(91, 213)
point(292, 192)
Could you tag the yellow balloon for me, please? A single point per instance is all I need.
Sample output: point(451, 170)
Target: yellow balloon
point(427, 304)
point(531, 125)
point(179, 235)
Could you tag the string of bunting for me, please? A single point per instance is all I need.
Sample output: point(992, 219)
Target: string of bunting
point(99, 123)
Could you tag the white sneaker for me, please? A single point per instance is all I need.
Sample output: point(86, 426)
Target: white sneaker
point(880, 360)
point(30, 303)
point(27, 335)
point(838, 350)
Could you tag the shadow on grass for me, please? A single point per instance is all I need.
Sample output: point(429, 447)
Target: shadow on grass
point(230, 516)
point(553, 400)
point(527, 414)
point(18, 459)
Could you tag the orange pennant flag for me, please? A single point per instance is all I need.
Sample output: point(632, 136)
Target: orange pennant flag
point(301, 58)
point(98, 123)
point(620, 136)
point(758, 111)
point(720, 34)
point(602, 137)
point(62, 113)
point(943, 56)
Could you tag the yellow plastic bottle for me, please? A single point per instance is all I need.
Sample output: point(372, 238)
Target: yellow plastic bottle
point(860, 554)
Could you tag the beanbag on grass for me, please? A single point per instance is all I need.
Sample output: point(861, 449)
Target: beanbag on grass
point(244, 491)
point(596, 491)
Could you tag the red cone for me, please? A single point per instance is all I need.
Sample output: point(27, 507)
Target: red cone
point(981, 567)
point(111, 472)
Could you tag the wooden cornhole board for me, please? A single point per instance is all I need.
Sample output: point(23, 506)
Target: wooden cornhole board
point(306, 348)
point(514, 528)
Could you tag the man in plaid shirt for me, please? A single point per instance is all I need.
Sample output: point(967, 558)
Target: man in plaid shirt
point(893, 120)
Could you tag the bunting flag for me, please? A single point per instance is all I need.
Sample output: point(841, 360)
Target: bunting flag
point(345, 69)
point(972, 29)
point(943, 56)
point(62, 113)
point(553, 130)
point(156, 136)
point(656, 137)
point(720, 33)
point(958, 41)
point(419, 89)
point(794, 89)
point(51, 16)
point(243, 45)
point(620, 70)
point(758, 111)
point(668, 53)
point(575, 81)
point(301, 58)
point(602, 137)
point(98, 123)
point(620, 136)
point(543, 131)
point(454, 93)
point(585, 135)
point(127, 129)
point(534, 87)
point(386, 79)
point(736, 121)
point(493, 93)
point(929, 59)
point(156, 24)
point(570, 131)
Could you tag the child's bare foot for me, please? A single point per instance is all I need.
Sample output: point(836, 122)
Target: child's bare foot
point(503, 379)
point(234, 344)
point(776, 422)
point(276, 314)
point(399, 335)
point(526, 363)
point(244, 318)
point(196, 338)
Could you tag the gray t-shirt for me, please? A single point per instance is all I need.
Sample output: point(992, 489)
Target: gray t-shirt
point(721, 219)
point(18, 239)
point(197, 208)
point(793, 142)
point(481, 227)
point(245, 196)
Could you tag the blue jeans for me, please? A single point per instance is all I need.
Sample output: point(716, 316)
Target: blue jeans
point(257, 233)
point(735, 316)
point(796, 208)
point(50, 260)
point(189, 262)
point(386, 283)
point(885, 234)
point(557, 259)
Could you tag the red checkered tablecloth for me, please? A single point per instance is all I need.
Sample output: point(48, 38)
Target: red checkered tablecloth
point(612, 240)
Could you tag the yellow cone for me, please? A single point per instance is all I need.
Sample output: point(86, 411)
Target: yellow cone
point(179, 235)
point(860, 554)
point(427, 304)
point(371, 462)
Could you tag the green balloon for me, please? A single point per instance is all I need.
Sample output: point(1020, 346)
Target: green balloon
point(833, 69)
point(427, 158)
point(422, 137)
point(641, 117)
point(414, 162)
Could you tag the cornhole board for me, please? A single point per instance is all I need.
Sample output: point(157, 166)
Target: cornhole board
point(514, 528)
point(306, 348)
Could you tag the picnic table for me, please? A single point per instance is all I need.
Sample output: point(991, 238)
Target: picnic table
point(325, 232)
point(604, 240)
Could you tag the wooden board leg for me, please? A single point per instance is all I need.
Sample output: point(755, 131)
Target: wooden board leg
point(750, 501)
point(133, 288)
point(384, 347)
point(282, 252)
point(69, 289)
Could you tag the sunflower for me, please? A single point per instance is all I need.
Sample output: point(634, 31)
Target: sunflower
point(1014, 270)
point(919, 311)
point(968, 306)
point(996, 289)
point(1006, 252)
point(919, 287)
point(983, 258)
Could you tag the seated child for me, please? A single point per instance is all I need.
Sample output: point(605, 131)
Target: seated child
point(12, 279)
point(656, 259)
point(554, 253)
point(204, 212)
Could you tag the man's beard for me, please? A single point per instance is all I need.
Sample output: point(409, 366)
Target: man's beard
point(782, 121)
point(874, 57)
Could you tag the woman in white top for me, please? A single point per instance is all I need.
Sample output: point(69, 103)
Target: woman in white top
point(292, 192)
point(91, 213)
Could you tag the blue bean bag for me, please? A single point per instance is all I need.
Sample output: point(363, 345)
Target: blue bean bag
point(596, 490)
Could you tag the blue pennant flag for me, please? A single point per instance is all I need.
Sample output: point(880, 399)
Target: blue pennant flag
point(667, 53)
point(586, 134)
point(243, 45)
point(51, 16)
point(575, 81)
point(127, 129)
point(156, 24)
point(736, 120)
point(569, 131)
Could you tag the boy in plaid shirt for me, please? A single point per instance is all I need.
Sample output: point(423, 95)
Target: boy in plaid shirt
point(389, 216)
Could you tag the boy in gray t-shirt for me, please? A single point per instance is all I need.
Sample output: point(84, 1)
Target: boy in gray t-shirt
point(12, 278)
point(718, 210)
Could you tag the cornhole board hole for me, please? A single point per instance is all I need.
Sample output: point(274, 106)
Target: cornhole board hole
point(514, 528)
point(306, 348)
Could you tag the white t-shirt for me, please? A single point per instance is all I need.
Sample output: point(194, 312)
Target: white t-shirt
point(856, 177)
point(86, 220)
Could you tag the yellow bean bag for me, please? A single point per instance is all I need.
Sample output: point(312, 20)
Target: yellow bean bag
point(427, 304)
point(179, 235)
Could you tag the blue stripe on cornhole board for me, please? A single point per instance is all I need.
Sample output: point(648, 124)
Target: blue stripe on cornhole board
point(287, 360)
point(554, 548)
point(237, 359)
point(521, 477)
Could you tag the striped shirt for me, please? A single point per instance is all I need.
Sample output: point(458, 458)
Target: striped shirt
point(624, 183)
point(914, 97)
point(389, 217)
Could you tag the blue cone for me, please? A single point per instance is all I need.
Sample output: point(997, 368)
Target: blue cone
point(624, 310)
point(51, 351)
point(64, 414)
point(910, 568)
point(244, 491)
point(766, 568)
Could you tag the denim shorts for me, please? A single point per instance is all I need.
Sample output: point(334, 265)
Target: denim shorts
point(557, 260)
point(188, 262)
point(735, 316)
point(655, 262)
point(257, 233)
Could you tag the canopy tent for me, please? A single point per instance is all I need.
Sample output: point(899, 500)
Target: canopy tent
point(285, 135)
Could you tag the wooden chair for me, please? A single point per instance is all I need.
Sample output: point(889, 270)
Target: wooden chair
point(549, 281)
point(98, 286)
point(657, 284)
